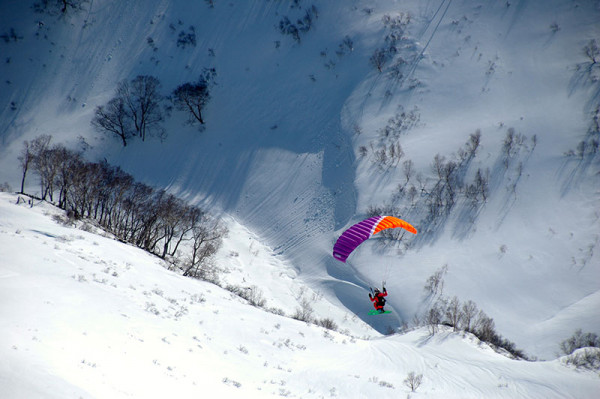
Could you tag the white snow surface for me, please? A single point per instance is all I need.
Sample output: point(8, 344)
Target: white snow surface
point(280, 159)
point(86, 316)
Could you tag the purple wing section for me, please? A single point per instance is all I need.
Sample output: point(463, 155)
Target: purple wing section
point(352, 238)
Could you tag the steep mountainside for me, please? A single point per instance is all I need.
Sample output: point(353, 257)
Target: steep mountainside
point(316, 109)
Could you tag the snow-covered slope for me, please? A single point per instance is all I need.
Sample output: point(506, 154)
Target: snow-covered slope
point(281, 153)
point(86, 316)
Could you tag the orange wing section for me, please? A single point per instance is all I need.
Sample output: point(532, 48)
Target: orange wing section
point(389, 222)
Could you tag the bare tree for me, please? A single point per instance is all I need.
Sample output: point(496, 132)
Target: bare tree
point(135, 110)
point(69, 161)
point(49, 164)
point(433, 318)
point(379, 58)
point(172, 223)
point(485, 328)
point(413, 381)
point(114, 118)
point(37, 148)
point(439, 165)
point(511, 146)
point(454, 313)
point(474, 142)
point(142, 99)
point(479, 189)
point(207, 234)
point(408, 169)
point(25, 160)
point(469, 311)
point(58, 6)
point(435, 282)
point(592, 51)
point(193, 97)
point(451, 182)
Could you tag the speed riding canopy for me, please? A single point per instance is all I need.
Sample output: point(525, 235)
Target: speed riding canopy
point(355, 235)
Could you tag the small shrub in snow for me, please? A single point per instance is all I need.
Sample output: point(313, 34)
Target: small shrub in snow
point(327, 323)
point(580, 340)
point(386, 384)
point(252, 294)
point(5, 188)
point(227, 381)
point(276, 311)
point(63, 220)
point(304, 312)
point(346, 46)
point(413, 381)
point(11, 36)
point(587, 358)
point(513, 142)
point(187, 38)
point(151, 308)
point(400, 123)
point(197, 298)
point(301, 26)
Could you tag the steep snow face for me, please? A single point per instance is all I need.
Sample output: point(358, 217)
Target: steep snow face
point(294, 126)
point(85, 315)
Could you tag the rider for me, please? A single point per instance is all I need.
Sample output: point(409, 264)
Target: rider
point(378, 299)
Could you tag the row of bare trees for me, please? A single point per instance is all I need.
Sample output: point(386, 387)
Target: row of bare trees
point(395, 42)
point(466, 316)
point(461, 316)
point(149, 218)
point(452, 185)
point(427, 200)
